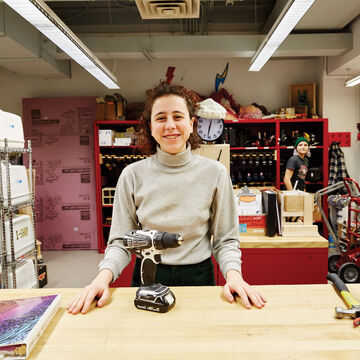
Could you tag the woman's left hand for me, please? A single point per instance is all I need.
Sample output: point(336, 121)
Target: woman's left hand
point(235, 284)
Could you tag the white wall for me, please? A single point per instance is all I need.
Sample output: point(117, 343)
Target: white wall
point(342, 106)
point(269, 87)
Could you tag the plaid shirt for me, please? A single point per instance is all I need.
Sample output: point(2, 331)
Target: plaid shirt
point(337, 167)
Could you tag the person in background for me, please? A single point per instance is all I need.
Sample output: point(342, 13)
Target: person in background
point(298, 165)
point(176, 191)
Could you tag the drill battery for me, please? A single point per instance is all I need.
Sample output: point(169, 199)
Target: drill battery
point(156, 297)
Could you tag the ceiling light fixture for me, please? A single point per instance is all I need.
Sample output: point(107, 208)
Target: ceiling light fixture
point(293, 11)
point(37, 13)
point(353, 82)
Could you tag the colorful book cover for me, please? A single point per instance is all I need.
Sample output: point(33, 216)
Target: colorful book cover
point(22, 321)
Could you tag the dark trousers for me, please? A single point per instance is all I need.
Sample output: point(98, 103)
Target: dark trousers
point(201, 274)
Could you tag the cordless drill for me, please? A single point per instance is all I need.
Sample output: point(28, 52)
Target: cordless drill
point(148, 244)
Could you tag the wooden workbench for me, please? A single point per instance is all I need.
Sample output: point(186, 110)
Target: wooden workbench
point(283, 242)
point(297, 323)
point(283, 260)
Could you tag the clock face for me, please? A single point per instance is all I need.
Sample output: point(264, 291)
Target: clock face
point(210, 129)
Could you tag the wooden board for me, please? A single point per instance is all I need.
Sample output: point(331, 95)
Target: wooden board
point(257, 242)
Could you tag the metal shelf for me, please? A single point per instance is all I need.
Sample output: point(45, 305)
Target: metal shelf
point(9, 264)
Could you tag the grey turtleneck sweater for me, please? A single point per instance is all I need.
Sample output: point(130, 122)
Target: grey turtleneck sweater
point(184, 193)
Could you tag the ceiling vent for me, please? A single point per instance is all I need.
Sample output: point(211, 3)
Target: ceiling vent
point(168, 9)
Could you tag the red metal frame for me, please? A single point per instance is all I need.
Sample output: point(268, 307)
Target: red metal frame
point(352, 252)
point(101, 247)
point(354, 201)
point(99, 207)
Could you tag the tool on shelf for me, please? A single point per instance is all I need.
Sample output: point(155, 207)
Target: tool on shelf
point(354, 305)
point(149, 244)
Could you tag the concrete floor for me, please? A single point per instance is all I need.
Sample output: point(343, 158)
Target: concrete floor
point(71, 269)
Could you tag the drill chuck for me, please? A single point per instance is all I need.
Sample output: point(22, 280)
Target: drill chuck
point(165, 240)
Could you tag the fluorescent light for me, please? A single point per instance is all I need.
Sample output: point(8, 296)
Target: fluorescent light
point(293, 11)
point(353, 82)
point(37, 13)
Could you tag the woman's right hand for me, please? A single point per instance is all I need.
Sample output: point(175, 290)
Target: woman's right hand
point(99, 287)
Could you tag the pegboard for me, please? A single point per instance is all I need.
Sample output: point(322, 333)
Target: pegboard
point(344, 138)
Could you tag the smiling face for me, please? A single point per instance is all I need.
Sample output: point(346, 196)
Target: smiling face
point(302, 148)
point(171, 125)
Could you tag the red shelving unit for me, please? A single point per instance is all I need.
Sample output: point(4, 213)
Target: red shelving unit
point(103, 178)
point(247, 131)
point(283, 151)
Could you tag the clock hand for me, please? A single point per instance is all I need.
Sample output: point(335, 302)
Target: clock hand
point(209, 128)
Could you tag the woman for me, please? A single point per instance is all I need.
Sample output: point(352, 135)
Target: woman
point(298, 165)
point(175, 191)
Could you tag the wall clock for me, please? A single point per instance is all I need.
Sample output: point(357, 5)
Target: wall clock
point(210, 129)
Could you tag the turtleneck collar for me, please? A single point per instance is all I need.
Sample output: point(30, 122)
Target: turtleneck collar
point(171, 160)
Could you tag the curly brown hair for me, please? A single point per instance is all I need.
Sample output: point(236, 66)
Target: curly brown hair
point(146, 142)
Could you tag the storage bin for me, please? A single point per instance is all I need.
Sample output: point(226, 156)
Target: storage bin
point(23, 235)
point(11, 128)
point(25, 276)
point(19, 184)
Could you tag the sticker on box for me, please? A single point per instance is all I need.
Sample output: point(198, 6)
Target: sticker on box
point(242, 228)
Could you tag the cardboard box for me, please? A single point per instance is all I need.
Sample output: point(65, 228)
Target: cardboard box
point(120, 106)
point(25, 276)
point(106, 137)
point(23, 235)
point(28, 210)
point(106, 111)
point(122, 141)
point(218, 152)
point(11, 128)
point(252, 225)
point(19, 184)
point(293, 201)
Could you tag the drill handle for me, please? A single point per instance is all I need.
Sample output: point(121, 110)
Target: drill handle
point(148, 270)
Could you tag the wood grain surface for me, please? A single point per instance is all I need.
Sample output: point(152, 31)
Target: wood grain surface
point(297, 323)
point(253, 242)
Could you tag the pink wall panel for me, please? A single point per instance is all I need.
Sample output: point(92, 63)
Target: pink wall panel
point(61, 132)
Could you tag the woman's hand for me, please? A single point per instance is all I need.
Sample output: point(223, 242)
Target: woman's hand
point(235, 284)
point(99, 287)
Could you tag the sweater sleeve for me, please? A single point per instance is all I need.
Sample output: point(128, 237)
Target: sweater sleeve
point(225, 226)
point(123, 220)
